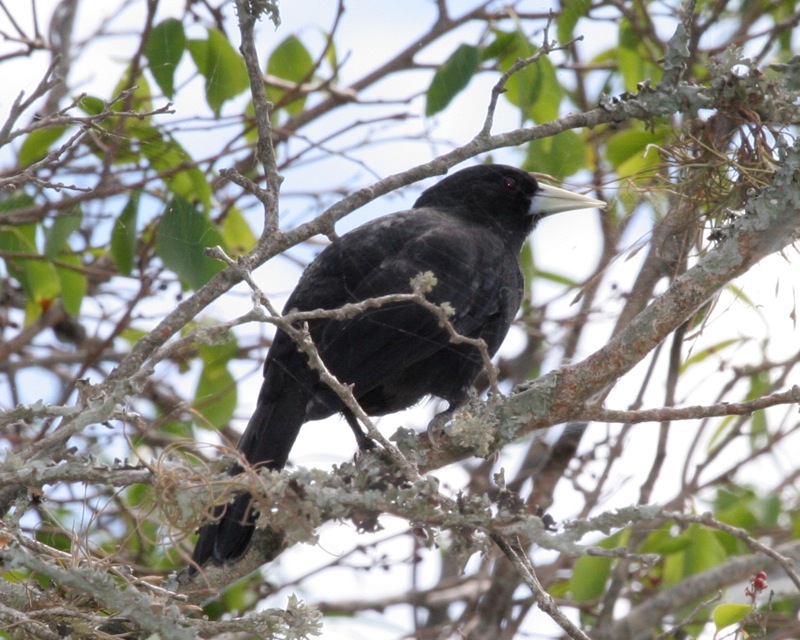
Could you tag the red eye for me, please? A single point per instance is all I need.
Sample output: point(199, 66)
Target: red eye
point(510, 184)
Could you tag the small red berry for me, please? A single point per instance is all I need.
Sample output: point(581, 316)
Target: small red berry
point(759, 581)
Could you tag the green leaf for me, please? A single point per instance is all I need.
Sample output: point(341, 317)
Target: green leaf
point(330, 54)
point(705, 550)
point(73, 283)
point(633, 58)
point(179, 428)
point(164, 51)
point(37, 144)
point(744, 508)
point(701, 550)
point(545, 108)
point(140, 100)
point(759, 428)
point(92, 105)
point(290, 61)
point(238, 236)
point(741, 296)
point(168, 157)
point(727, 614)
point(631, 156)
point(132, 336)
point(588, 580)
point(63, 227)
point(663, 542)
point(630, 62)
point(215, 396)
point(451, 78)
point(534, 89)
point(571, 12)
point(219, 353)
point(560, 155)
point(221, 66)
point(53, 531)
point(503, 45)
point(36, 275)
point(700, 356)
point(183, 234)
point(558, 278)
point(123, 235)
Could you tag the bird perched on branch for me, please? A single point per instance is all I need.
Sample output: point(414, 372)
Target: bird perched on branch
point(467, 231)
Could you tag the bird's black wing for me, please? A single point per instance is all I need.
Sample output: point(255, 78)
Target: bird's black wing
point(476, 275)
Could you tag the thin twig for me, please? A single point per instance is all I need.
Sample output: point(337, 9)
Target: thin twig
point(545, 601)
point(792, 396)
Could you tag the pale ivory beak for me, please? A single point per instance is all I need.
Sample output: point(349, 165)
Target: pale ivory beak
point(549, 200)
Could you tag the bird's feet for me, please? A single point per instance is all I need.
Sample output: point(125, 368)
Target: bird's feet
point(365, 443)
point(437, 424)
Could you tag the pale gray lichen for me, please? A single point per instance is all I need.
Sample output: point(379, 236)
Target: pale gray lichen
point(473, 427)
point(423, 282)
point(407, 440)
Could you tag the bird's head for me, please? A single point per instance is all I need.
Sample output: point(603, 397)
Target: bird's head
point(504, 198)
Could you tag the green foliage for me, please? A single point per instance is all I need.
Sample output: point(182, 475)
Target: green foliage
point(634, 58)
point(534, 89)
point(123, 236)
point(52, 532)
point(73, 282)
point(24, 261)
point(164, 51)
point(571, 12)
point(691, 551)
point(57, 235)
point(168, 157)
point(236, 232)
point(237, 597)
point(221, 66)
point(634, 153)
point(37, 144)
point(759, 428)
point(759, 384)
point(745, 508)
point(589, 577)
point(216, 396)
point(727, 614)
point(138, 97)
point(183, 235)
point(702, 551)
point(700, 356)
point(451, 78)
point(559, 156)
point(91, 105)
point(289, 61)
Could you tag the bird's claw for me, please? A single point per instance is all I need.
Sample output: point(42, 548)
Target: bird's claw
point(436, 426)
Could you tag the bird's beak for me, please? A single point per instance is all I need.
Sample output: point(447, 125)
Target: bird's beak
point(549, 200)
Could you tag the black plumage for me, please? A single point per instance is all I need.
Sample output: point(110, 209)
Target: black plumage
point(468, 231)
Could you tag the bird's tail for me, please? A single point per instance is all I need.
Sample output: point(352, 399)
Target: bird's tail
point(266, 442)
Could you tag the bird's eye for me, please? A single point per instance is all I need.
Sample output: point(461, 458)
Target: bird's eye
point(509, 184)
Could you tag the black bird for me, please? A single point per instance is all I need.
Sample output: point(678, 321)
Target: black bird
point(468, 231)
